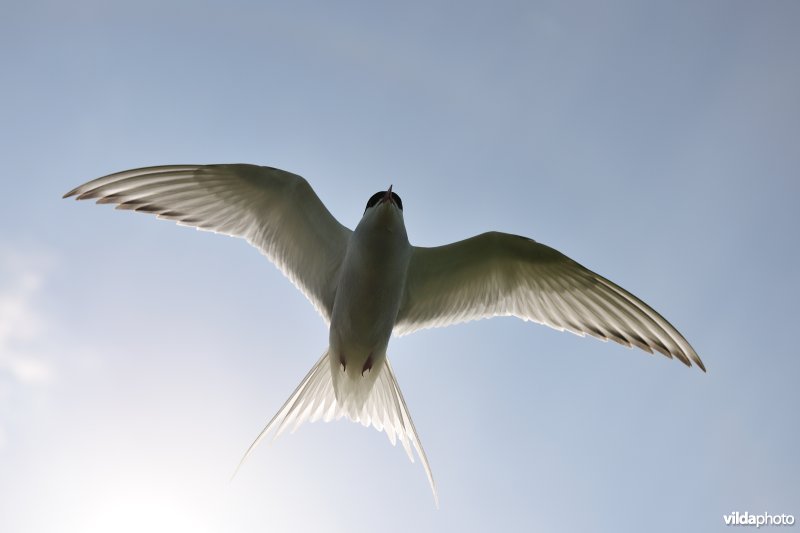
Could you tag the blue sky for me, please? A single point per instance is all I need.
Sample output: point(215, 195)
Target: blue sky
point(656, 143)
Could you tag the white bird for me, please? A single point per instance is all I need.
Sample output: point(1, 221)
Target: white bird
point(371, 283)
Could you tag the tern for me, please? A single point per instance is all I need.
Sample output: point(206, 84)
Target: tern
point(370, 283)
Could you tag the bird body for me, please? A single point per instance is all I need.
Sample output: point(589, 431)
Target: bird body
point(365, 307)
point(369, 292)
point(371, 283)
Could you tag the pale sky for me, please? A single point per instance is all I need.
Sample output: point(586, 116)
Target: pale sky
point(656, 143)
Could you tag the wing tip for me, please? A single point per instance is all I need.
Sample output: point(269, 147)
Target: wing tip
point(699, 362)
point(687, 358)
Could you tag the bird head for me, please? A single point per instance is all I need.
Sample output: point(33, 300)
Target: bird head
point(384, 198)
point(384, 212)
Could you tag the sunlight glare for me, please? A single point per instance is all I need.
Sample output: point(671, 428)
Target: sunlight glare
point(137, 509)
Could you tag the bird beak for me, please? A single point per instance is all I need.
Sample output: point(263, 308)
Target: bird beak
point(387, 196)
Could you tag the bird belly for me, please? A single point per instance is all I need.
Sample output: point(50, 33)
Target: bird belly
point(364, 312)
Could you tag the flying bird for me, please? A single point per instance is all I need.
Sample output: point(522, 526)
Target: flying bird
point(370, 283)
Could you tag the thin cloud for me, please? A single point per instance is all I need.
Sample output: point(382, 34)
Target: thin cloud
point(22, 277)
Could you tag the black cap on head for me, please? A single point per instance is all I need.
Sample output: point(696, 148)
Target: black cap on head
point(375, 198)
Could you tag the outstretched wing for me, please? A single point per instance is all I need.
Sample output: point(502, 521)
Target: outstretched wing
point(497, 274)
point(275, 211)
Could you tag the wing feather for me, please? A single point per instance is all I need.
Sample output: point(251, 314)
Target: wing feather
point(497, 274)
point(275, 211)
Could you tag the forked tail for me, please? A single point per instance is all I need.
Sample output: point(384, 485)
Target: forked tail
point(385, 410)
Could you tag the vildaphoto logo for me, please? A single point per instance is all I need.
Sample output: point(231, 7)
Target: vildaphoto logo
point(746, 519)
